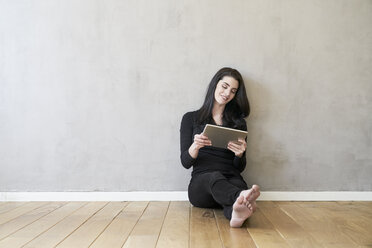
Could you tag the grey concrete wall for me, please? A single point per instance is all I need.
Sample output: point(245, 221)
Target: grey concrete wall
point(92, 92)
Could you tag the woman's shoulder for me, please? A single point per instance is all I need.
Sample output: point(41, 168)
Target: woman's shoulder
point(190, 116)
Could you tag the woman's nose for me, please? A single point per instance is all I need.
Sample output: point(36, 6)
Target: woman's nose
point(227, 93)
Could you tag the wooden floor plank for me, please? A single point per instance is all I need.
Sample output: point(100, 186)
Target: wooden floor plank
point(31, 231)
point(263, 231)
point(233, 237)
point(352, 219)
point(21, 221)
point(7, 206)
point(359, 231)
point(366, 203)
point(359, 209)
point(325, 214)
point(266, 204)
point(65, 227)
point(147, 230)
point(293, 233)
point(319, 225)
point(203, 229)
point(118, 231)
point(16, 212)
point(175, 231)
point(90, 230)
point(176, 224)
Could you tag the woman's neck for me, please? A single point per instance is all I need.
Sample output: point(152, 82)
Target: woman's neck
point(217, 113)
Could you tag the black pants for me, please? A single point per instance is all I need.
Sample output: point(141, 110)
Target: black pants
point(215, 190)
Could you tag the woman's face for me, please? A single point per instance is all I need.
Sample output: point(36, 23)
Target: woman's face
point(225, 90)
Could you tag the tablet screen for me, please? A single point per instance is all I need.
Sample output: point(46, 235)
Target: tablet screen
point(221, 136)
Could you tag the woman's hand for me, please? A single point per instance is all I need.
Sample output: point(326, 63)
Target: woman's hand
point(237, 147)
point(200, 141)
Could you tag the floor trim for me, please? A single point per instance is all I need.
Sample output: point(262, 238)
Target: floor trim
point(316, 196)
point(181, 196)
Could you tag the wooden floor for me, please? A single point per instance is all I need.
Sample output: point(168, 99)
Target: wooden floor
point(177, 224)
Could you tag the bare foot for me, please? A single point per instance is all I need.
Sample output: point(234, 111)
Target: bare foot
point(254, 206)
point(241, 211)
point(250, 195)
point(255, 194)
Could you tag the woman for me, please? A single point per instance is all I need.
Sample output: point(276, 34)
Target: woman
point(216, 180)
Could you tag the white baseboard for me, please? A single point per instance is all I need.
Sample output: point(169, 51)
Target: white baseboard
point(316, 196)
point(181, 196)
point(95, 196)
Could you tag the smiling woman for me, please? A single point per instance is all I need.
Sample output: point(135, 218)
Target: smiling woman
point(216, 180)
point(225, 90)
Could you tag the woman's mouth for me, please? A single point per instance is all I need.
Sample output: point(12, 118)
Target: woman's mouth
point(225, 98)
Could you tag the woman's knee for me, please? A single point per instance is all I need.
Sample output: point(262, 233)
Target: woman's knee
point(202, 200)
point(238, 182)
point(199, 194)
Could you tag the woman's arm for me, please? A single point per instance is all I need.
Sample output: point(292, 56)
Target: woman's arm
point(200, 141)
point(190, 147)
point(186, 132)
point(239, 150)
point(240, 163)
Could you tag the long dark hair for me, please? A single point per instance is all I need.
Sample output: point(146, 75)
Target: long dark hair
point(235, 111)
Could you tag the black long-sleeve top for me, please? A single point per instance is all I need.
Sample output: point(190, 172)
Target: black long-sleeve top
point(209, 158)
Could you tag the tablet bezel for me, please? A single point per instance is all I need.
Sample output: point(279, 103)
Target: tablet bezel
point(221, 136)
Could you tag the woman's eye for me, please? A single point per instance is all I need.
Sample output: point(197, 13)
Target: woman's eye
point(224, 86)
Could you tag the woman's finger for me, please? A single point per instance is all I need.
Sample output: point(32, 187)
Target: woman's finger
point(237, 149)
point(204, 137)
point(237, 153)
point(201, 141)
point(237, 146)
point(242, 142)
point(232, 148)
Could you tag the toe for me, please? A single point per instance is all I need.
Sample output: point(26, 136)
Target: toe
point(255, 187)
point(240, 200)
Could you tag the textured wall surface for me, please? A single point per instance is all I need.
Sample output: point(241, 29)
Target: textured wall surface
point(92, 92)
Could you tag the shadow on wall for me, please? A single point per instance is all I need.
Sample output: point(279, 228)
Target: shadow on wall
point(267, 156)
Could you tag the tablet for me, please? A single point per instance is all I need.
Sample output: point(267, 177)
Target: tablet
point(221, 136)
